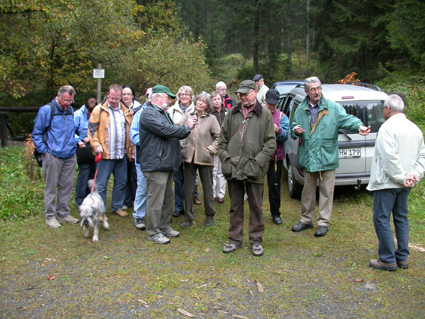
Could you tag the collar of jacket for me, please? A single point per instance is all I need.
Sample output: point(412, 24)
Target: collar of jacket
point(156, 107)
point(258, 109)
point(124, 108)
point(323, 104)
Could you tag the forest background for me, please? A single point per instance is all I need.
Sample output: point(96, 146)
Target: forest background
point(46, 44)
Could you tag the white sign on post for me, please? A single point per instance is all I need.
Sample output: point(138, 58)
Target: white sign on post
point(98, 73)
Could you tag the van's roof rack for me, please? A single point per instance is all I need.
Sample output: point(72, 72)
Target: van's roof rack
point(367, 85)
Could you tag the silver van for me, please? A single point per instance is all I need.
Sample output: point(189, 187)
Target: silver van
point(355, 151)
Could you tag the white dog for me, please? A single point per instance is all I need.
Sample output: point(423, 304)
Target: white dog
point(90, 210)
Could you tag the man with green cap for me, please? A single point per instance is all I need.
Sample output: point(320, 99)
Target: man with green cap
point(247, 141)
point(160, 155)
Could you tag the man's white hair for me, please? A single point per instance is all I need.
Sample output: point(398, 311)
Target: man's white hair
point(220, 84)
point(395, 103)
point(312, 79)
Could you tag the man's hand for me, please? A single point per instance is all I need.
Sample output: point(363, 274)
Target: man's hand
point(411, 180)
point(99, 149)
point(191, 122)
point(363, 130)
point(298, 130)
point(276, 128)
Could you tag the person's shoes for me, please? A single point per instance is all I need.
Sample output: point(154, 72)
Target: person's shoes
point(230, 248)
point(321, 231)
point(277, 220)
point(67, 219)
point(196, 200)
point(171, 233)
point(220, 200)
point(178, 213)
point(159, 239)
point(402, 264)
point(121, 213)
point(301, 226)
point(186, 224)
point(209, 221)
point(52, 223)
point(257, 250)
point(380, 265)
point(140, 223)
point(101, 218)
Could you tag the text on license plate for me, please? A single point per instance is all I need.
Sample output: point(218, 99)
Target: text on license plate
point(349, 152)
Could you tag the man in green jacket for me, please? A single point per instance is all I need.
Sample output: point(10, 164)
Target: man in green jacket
point(317, 121)
point(247, 141)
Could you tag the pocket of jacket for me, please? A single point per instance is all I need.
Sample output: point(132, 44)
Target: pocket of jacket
point(226, 167)
point(252, 169)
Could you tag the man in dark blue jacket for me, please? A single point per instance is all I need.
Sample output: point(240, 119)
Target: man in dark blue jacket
point(53, 137)
point(160, 154)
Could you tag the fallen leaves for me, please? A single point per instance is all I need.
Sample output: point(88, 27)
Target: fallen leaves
point(184, 312)
point(144, 303)
point(259, 286)
point(51, 277)
point(359, 280)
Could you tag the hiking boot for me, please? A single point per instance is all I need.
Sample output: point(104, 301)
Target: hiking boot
point(321, 231)
point(159, 239)
point(140, 223)
point(301, 226)
point(257, 250)
point(196, 200)
point(230, 248)
point(67, 219)
point(380, 265)
point(402, 264)
point(186, 224)
point(121, 213)
point(209, 221)
point(52, 223)
point(178, 213)
point(171, 233)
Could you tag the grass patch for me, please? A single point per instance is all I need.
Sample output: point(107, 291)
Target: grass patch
point(126, 276)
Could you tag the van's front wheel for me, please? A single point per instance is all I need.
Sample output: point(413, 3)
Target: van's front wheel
point(294, 188)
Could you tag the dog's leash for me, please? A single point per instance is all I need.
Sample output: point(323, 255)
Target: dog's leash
point(96, 159)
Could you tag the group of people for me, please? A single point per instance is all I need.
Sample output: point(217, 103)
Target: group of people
point(212, 137)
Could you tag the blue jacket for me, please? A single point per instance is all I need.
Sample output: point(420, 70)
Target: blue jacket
point(56, 135)
point(159, 140)
point(81, 119)
point(134, 132)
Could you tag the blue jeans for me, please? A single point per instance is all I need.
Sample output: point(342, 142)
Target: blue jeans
point(178, 178)
point(384, 202)
point(141, 196)
point(86, 171)
point(119, 169)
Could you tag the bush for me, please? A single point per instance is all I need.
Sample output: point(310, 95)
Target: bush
point(22, 196)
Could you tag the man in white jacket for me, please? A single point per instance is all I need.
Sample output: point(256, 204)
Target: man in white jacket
point(398, 164)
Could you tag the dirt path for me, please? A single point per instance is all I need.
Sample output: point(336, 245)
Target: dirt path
point(49, 273)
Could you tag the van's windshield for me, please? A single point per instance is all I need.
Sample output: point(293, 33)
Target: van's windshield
point(369, 112)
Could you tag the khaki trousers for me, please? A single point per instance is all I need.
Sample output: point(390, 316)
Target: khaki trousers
point(160, 201)
point(326, 195)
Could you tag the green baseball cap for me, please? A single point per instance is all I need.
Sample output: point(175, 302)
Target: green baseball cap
point(163, 89)
point(245, 86)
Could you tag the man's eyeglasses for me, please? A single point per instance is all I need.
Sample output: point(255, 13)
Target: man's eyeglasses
point(316, 89)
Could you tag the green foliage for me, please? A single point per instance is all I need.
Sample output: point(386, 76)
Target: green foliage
point(413, 88)
point(21, 197)
point(168, 59)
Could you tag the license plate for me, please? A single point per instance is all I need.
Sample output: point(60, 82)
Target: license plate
point(349, 153)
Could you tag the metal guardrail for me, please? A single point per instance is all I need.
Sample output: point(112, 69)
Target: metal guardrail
point(5, 113)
